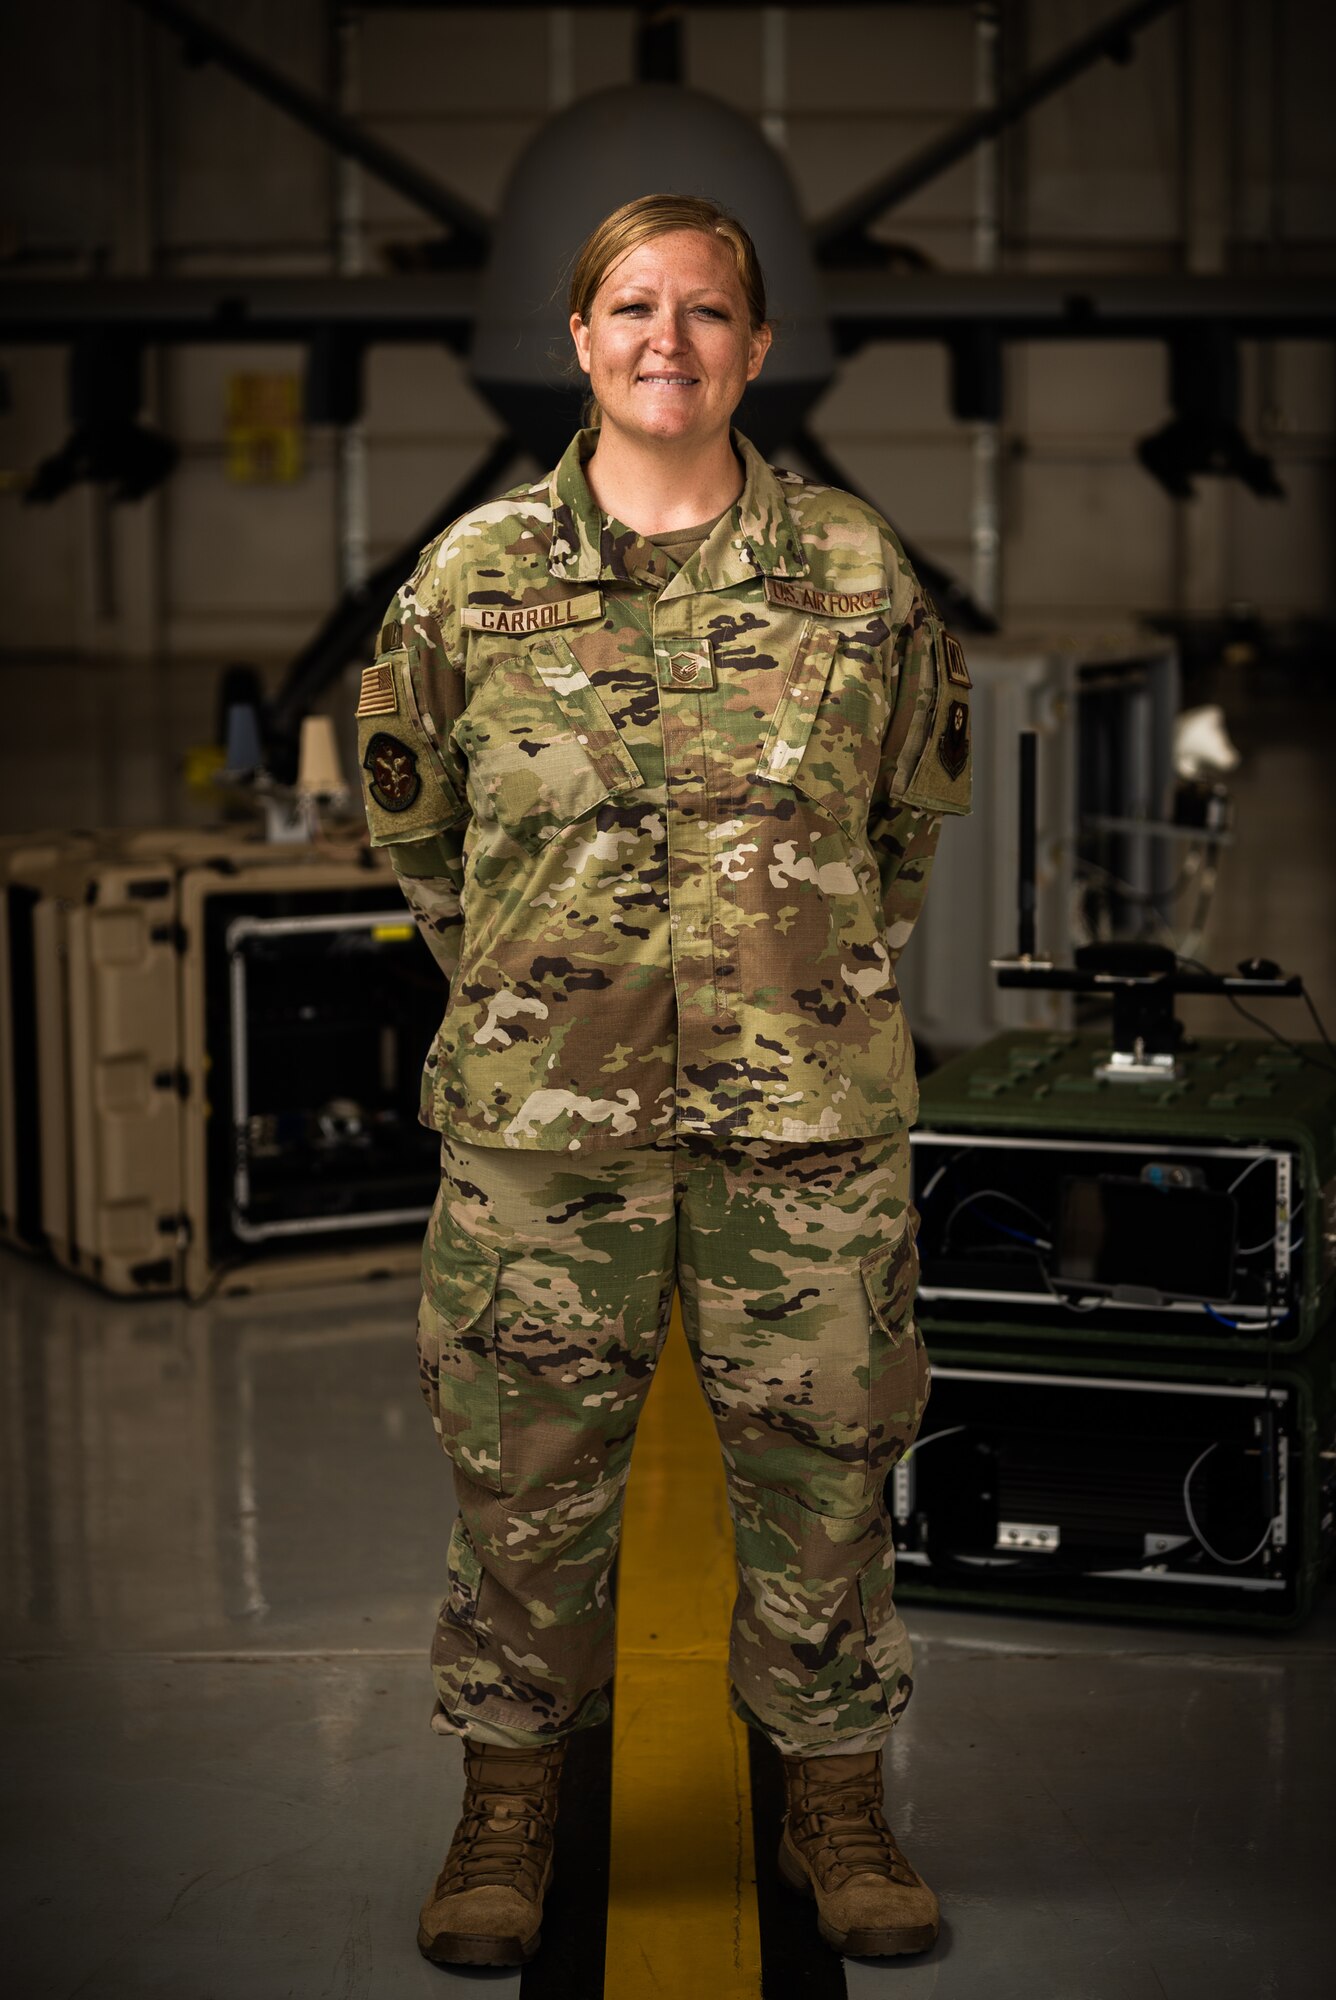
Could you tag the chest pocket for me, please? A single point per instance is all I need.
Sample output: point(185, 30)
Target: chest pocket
point(825, 736)
point(543, 752)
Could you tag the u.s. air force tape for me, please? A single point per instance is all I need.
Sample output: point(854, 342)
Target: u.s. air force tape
point(799, 596)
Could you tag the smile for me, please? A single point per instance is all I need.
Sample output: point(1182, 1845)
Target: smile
point(670, 381)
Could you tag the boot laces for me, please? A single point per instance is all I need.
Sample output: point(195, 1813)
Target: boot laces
point(504, 1834)
point(846, 1833)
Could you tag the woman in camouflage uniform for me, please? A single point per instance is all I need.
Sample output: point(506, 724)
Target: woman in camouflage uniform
point(659, 747)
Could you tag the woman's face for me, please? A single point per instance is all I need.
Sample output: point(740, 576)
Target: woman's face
point(667, 347)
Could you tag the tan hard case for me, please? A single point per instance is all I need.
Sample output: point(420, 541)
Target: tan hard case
point(28, 864)
point(119, 993)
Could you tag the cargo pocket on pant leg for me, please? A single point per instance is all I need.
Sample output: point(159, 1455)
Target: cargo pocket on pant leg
point(465, 1574)
point(888, 1649)
point(898, 1373)
point(454, 1649)
point(457, 1361)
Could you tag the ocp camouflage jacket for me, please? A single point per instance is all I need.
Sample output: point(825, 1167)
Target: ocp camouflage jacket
point(666, 831)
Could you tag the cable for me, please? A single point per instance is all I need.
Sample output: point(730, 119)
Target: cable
point(1242, 1325)
point(1251, 1249)
point(932, 1438)
point(1070, 1305)
point(1285, 1042)
point(1060, 1298)
point(1227, 1562)
point(996, 1194)
point(1041, 1242)
point(945, 1168)
point(1251, 1168)
point(1276, 1036)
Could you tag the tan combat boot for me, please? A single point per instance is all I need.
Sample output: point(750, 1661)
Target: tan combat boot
point(838, 1848)
point(487, 1903)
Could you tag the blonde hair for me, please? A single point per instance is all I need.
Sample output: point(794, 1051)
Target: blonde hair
point(637, 222)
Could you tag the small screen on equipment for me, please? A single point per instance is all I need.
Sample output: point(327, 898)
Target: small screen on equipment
point(1118, 1234)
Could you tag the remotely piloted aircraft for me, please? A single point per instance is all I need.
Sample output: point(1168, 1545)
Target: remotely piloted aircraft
point(493, 290)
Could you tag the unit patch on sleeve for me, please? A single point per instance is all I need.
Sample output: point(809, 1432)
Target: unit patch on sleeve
point(378, 696)
point(392, 773)
point(953, 745)
point(825, 603)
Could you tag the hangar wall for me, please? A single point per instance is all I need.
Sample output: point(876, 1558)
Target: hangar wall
point(1211, 151)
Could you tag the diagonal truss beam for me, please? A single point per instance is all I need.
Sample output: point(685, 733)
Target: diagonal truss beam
point(353, 623)
point(842, 235)
point(469, 227)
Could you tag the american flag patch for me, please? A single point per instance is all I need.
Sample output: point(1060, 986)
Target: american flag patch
point(378, 692)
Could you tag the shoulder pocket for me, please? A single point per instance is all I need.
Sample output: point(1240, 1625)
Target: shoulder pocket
point(941, 779)
point(823, 736)
point(790, 728)
point(406, 791)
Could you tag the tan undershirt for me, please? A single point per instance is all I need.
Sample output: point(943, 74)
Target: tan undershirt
point(680, 544)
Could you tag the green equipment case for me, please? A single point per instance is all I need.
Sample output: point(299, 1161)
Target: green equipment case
point(1061, 1206)
point(1121, 1485)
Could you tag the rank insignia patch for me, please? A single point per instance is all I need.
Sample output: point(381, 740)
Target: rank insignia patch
point(956, 670)
point(378, 695)
point(392, 773)
point(953, 745)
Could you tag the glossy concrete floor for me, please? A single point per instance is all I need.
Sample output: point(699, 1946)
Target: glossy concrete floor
point(223, 1542)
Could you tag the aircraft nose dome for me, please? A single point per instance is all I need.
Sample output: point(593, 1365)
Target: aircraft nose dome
point(607, 149)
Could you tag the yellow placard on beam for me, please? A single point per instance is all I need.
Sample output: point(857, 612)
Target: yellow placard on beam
point(264, 429)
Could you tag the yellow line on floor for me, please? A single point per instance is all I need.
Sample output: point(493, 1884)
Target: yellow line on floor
point(682, 1891)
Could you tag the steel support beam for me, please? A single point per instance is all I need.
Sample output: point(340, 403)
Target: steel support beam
point(864, 307)
point(429, 306)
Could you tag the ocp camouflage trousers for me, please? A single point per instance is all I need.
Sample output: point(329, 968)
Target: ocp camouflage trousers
point(548, 1287)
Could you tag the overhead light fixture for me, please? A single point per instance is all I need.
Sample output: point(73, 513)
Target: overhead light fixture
point(107, 443)
point(1204, 436)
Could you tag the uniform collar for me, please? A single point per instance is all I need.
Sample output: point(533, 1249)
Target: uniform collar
point(756, 537)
